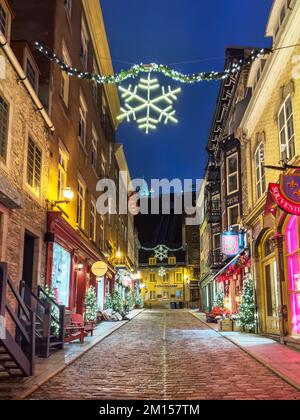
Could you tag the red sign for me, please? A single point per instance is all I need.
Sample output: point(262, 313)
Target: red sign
point(283, 201)
point(230, 244)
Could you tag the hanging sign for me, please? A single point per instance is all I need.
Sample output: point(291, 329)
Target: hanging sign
point(287, 193)
point(230, 244)
point(99, 269)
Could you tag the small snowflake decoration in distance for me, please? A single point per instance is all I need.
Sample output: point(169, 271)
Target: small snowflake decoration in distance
point(161, 252)
point(135, 103)
point(162, 272)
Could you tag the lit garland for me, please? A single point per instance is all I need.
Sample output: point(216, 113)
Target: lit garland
point(135, 70)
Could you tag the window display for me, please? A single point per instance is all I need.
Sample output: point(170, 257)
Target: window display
point(61, 272)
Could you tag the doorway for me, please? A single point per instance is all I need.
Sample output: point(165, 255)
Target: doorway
point(271, 297)
point(28, 260)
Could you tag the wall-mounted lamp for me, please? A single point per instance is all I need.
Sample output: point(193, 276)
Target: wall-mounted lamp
point(68, 196)
point(79, 266)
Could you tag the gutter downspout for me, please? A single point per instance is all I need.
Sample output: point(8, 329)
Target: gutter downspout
point(23, 78)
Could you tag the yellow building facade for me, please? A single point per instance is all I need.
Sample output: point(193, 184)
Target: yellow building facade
point(270, 136)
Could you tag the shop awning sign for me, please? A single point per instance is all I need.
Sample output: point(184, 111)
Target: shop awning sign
point(286, 194)
point(230, 244)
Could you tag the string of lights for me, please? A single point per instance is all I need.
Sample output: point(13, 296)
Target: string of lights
point(137, 69)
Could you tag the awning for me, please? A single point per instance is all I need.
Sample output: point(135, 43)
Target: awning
point(231, 262)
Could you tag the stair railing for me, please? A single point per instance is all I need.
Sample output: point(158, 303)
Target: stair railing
point(19, 341)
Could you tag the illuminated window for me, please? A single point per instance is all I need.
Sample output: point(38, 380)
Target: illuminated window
point(152, 261)
point(62, 172)
point(286, 127)
point(172, 261)
point(179, 278)
point(152, 277)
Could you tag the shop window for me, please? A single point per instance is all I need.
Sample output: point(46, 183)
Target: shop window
point(4, 118)
point(61, 272)
point(287, 134)
point(232, 174)
point(260, 174)
point(293, 266)
point(34, 166)
point(179, 294)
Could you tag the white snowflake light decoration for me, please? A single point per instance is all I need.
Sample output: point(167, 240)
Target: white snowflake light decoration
point(161, 252)
point(135, 103)
point(162, 272)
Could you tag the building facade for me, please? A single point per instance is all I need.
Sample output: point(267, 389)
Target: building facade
point(270, 133)
point(82, 149)
point(26, 132)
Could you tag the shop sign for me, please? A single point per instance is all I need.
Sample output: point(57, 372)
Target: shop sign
point(287, 194)
point(230, 244)
point(99, 269)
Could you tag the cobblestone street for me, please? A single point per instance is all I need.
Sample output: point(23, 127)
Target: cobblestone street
point(166, 355)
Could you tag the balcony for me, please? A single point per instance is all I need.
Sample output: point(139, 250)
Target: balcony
point(213, 212)
point(213, 174)
point(216, 259)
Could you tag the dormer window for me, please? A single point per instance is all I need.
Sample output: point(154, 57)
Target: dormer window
point(31, 74)
point(3, 21)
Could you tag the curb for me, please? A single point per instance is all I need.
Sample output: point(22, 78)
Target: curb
point(253, 355)
point(34, 388)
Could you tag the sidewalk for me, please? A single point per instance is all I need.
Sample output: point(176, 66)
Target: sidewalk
point(45, 369)
point(280, 359)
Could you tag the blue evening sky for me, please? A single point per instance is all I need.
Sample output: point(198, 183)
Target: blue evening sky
point(176, 31)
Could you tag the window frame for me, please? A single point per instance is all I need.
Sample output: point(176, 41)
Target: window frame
point(33, 189)
point(260, 173)
point(82, 121)
point(84, 45)
point(233, 174)
point(63, 160)
point(283, 109)
point(94, 154)
point(4, 159)
point(228, 215)
point(93, 220)
point(65, 78)
point(81, 202)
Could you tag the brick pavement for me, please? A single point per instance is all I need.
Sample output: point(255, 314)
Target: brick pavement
point(166, 355)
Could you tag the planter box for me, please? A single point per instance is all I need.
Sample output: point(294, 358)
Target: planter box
point(225, 326)
point(236, 327)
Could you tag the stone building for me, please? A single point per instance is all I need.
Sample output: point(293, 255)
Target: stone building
point(25, 135)
point(270, 135)
point(83, 146)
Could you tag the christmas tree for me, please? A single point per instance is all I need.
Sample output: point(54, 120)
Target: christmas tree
point(219, 300)
point(129, 299)
point(246, 317)
point(90, 304)
point(117, 302)
point(108, 302)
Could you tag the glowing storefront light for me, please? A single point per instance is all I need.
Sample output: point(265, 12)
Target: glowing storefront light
point(293, 263)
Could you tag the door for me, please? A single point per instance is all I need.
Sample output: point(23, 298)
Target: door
point(28, 260)
point(271, 297)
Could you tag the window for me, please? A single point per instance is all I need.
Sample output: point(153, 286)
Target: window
point(102, 232)
point(172, 261)
point(34, 166)
point(232, 174)
point(82, 122)
point(94, 150)
point(80, 204)
point(165, 295)
point(166, 278)
point(62, 173)
point(61, 274)
point(217, 241)
point(68, 6)
point(233, 215)
point(3, 21)
point(152, 295)
point(261, 186)
point(95, 84)
point(286, 127)
point(84, 46)
point(93, 221)
point(31, 74)
point(152, 261)
point(178, 278)
point(179, 294)
point(103, 165)
point(4, 114)
point(65, 79)
point(152, 277)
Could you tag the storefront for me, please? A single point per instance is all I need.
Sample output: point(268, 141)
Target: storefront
point(69, 261)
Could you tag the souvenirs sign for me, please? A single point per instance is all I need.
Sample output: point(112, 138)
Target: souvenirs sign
point(287, 193)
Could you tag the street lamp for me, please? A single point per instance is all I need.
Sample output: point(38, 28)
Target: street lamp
point(68, 196)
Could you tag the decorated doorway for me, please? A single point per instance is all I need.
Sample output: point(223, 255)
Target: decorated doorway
point(270, 287)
